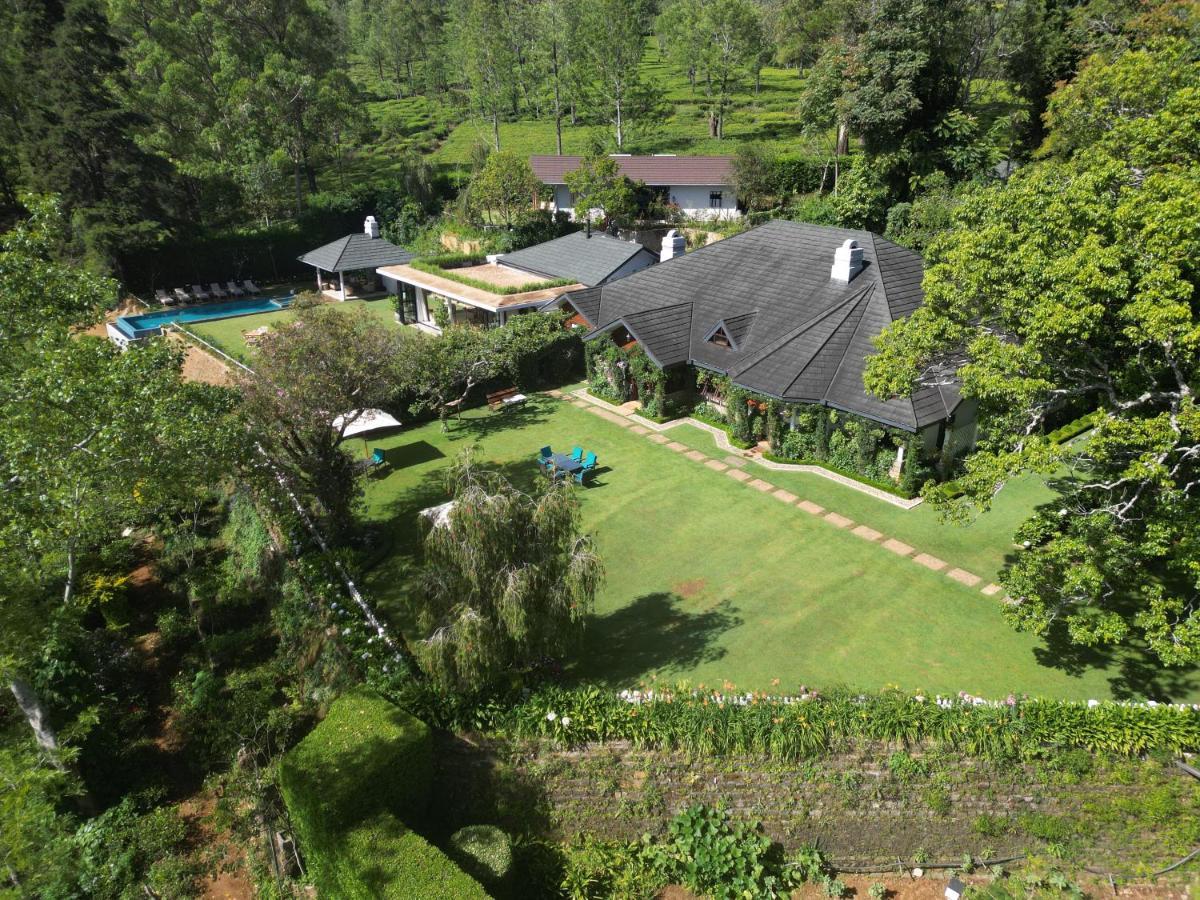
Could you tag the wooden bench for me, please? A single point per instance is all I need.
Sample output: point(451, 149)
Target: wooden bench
point(507, 397)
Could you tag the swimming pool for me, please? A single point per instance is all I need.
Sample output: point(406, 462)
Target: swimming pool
point(135, 328)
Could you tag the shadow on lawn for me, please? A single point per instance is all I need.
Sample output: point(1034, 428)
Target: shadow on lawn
point(655, 631)
point(534, 411)
point(1137, 673)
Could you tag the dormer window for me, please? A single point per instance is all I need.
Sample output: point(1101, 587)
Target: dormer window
point(720, 338)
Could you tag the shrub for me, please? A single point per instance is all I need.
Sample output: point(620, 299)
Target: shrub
point(347, 785)
point(483, 850)
point(712, 855)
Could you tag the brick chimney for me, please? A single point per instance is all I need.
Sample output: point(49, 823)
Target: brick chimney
point(371, 227)
point(847, 261)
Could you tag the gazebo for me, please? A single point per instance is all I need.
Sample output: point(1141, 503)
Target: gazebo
point(354, 253)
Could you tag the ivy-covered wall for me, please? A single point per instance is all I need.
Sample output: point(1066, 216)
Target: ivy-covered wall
point(618, 374)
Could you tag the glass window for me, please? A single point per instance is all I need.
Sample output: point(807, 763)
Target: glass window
point(714, 199)
point(406, 303)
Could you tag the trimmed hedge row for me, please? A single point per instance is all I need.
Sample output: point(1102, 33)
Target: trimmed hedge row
point(350, 787)
point(1075, 428)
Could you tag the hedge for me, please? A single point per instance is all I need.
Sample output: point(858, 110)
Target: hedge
point(1075, 428)
point(350, 786)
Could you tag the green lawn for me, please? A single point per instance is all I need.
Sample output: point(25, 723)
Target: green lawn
point(227, 333)
point(710, 580)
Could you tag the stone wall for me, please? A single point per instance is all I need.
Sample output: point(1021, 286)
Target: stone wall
point(855, 806)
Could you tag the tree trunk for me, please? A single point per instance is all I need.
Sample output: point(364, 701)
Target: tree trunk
point(620, 126)
point(299, 187)
point(496, 129)
point(557, 99)
point(843, 139)
point(37, 717)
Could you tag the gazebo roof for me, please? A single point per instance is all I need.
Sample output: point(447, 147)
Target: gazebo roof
point(356, 251)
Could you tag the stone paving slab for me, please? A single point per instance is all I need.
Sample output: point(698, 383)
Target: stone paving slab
point(760, 485)
point(809, 507)
point(582, 405)
point(867, 534)
point(658, 438)
point(962, 576)
point(638, 429)
point(716, 465)
point(929, 562)
point(785, 496)
point(898, 547)
point(676, 446)
point(737, 474)
point(554, 392)
point(736, 461)
point(992, 590)
point(840, 521)
point(696, 455)
point(615, 419)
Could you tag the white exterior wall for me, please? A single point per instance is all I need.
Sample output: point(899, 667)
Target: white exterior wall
point(640, 261)
point(692, 200)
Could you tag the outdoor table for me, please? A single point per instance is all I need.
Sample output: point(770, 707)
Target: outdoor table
point(566, 463)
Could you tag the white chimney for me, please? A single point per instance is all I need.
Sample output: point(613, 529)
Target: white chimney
point(674, 244)
point(371, 227)
point(847, 261)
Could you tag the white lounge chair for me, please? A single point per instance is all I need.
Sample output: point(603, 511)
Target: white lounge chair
point(163, 297)
point(234, 290)
point(181, 295)
point(251, 287)
point(217, 291)
point(199, 292)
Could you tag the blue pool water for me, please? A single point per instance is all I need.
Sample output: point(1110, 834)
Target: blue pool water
point(151, 324)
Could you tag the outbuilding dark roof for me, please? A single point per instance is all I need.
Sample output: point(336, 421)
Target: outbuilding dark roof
point(356, 251)
point(590, 260)
point(793, 332)
point(653, 170)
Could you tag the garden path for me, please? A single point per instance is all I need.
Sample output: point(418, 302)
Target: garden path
point(732, 465)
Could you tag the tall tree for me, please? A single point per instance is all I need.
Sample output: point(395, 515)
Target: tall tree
point(487, 59)
point(503, 188)
point(509, 579)
point(314, 376)
point(599, 185)
point(1073, 287)
point(611, 46)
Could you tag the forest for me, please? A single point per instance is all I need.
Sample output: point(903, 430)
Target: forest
point(208, 603)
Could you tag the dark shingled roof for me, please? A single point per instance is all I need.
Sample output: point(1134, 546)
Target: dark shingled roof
point(653, 170)
point(588, 260)
point(796, 333)
point(356, 251)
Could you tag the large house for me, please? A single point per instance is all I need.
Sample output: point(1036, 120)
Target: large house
point(490, 291)
point(787, 310)
point(700, 186)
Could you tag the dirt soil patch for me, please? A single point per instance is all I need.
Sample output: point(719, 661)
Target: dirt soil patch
point(689, 589)
point(202, 367)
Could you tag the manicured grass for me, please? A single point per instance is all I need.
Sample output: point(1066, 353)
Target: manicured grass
point(710, 580)
point(227, 334)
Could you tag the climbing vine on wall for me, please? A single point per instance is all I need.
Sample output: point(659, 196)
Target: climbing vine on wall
point(616, 374)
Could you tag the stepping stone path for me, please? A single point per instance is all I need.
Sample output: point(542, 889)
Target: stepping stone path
point(964, 577)
point(733, 465)
point(929, 562)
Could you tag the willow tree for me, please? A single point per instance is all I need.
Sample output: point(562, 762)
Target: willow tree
point(508, 581)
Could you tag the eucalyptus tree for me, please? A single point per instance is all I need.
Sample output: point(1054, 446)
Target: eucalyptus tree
point(611, 44)
point(486, 58)
point(509, 579)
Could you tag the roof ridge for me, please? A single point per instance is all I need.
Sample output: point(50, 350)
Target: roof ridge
point(868, 294)
point(789, 336)
point(849, 308)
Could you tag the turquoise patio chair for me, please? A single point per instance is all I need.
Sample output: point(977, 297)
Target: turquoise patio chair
point(577, 453)
point(589, 466)
point(544, 457)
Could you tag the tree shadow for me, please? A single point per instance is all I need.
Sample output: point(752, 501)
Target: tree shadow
point(655, 631)
point(533, 411)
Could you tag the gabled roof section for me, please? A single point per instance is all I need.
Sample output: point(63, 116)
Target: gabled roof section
point(356, 251)
point(795, 333)
point(585, 302)
point(733, 330)
point(662, 332)
point(590, 260)
point(653, 170)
